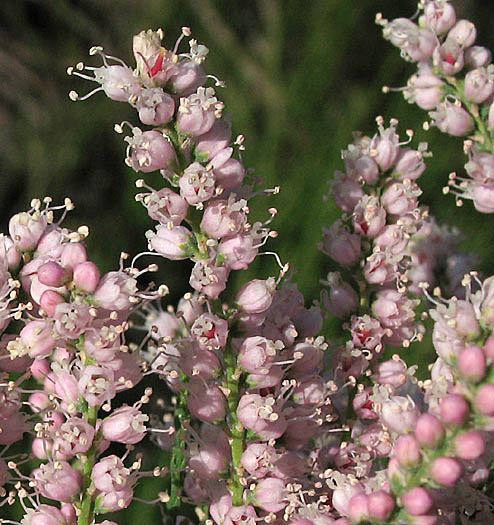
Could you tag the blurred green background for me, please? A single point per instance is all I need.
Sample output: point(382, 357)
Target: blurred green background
point(300, 75)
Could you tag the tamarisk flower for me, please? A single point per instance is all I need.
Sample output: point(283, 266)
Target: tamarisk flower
point(454, 82)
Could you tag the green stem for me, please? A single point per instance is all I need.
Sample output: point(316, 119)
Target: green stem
point(86, 516)
point(178, 461)
point(237, 433)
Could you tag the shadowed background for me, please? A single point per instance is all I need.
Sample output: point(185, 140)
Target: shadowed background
point(300, 75)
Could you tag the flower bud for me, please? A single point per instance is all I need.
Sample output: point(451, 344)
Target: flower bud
point(381, 505)
point(86, 276)
point(464, 32)
point(484, 400)
point(446, 471)
point(37, 337)
point(256, 296)
point(470, 445)
point(173, 243)
point(452, 119)
point(49, 301)
point(479, 84)
point(26, 229)
point(359, 508)
point(125, 425)
point(454, 409)
point(439, 16)
point(407, 451)
point(52, 274)
point(73, 254)
point(429, 431)
point(269, 494)
point(478, 56)
point(472, 363)
point(342, 299)
point(417, 501)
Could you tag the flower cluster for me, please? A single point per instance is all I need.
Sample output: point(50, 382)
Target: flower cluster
point(455, 83)
point(190, 145)
point(64, 324)
point(260, 418)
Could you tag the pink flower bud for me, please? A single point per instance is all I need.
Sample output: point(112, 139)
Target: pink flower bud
point(12, 429)
point(66, 386)
point(26, 229)
point(258, 353)
point(439, 16)
point(452, 119)
point(44, 515)
point(269, 494)
point(478, 56)
point(188, 76)
point(417, 501)
point(37, 338)
point(115, 290)
point(469, 446)
point(173, 243)
point(342, 299)
point(73, 254)
point(446, 471)
point(206, 402)
point(410, 164)
point(425, 89)
point(479, 84)
point(369, 218)
point(489, 348)
point(49, 301)
point(256, 296)
point(429, 431)
point(392, 372)
point(358, 508)
point(125, 425)
point(262, 416)
point(86, 276)
point(209, 461)
point(341, 245)
point(380, 505)
point(215, 140)
point(52, 274)
point(400, 198)
point(407, 451)
point(229, 174)
point(346, 191)
point(472, 363)
point(399, 414)
point(239, 250)
point(454, 409)
point(484, 400)
point(464, 32)
point(110, 474)
point(10, 256)
point(149, 151)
